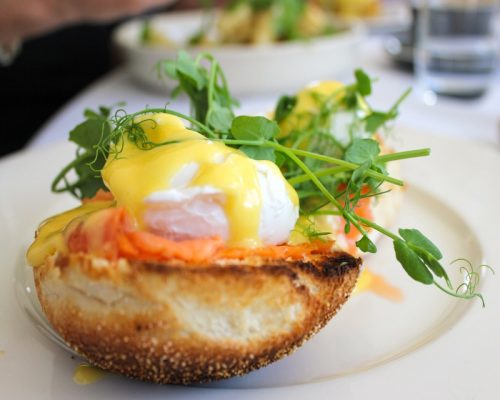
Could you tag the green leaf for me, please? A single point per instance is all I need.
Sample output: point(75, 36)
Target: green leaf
point(176, 91)
point(280, 159)
point(284, 107)
point(219, 118)
point(203, 81)
point(90, 132)
point(358, 174)
point(366, 245)
point(88, 113)
point(426, 250)
point(433, 264)
point(412, 263)
point(259, 153)
point(232, 4)
point(196, 38)
point(364, 83)
point(287, 16)
point(377, 119)
point(91, 136)
point(379, 167)
point(145, 34)
point(254, 128)
point(106, 111)
point(90, 180)
point(186, 66)
point(417, 238)
point(261, 4)
point(362, 150)
point(170, 68)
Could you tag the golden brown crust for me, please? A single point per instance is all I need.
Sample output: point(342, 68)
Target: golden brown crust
point(172, 323)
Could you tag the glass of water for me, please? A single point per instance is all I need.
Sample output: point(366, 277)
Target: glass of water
point(456, 50)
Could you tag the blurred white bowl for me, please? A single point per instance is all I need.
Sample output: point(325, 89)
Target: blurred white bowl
point(249, 69)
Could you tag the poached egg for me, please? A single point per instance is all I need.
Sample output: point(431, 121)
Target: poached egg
point(193, 187)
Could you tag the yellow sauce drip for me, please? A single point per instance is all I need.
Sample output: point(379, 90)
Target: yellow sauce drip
point(372, 282)
point(50, 233)
point(86, 374)
point(136, 174)
point(2, 353)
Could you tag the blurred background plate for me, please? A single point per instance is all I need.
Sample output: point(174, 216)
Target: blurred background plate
point(392, 16)
point(278, 67)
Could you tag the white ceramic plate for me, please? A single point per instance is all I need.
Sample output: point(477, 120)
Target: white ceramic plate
point(279, 67)
point(428, 346)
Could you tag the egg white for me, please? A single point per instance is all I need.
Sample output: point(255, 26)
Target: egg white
point(188, 212)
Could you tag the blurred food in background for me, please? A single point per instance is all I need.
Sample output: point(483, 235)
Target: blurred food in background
point(353, 8)
point(265, 53)
point(253, 22)
point(260, 39)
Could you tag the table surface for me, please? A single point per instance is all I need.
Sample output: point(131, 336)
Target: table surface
point(477, 120)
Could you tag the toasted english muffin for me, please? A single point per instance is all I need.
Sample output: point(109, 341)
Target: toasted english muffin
point(172, 322)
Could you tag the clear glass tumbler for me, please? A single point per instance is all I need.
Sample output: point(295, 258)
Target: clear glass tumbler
point(456, 50)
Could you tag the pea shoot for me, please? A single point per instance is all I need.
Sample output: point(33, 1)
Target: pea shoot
point(330, 175)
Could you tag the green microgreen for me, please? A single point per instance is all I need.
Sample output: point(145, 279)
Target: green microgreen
point(363, 82)
point(207, 22)
point(86, 135)
point(207, 89)
point(286, 17)
point(257, 5)
point(330, 174)
point(284, 107)
point(145, 33)
point(254, 128)
point(288, 14)
point(376, 119)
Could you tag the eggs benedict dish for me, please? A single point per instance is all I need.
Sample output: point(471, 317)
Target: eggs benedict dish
point(197, 188)
point(207, 252)
point(182, 272)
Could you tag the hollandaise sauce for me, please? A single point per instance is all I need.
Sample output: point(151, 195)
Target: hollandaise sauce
point(86, 374)
point(371, 282)
point(137, 174)
point(51, 233)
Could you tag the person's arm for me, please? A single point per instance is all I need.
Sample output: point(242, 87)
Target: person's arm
point(21, 19)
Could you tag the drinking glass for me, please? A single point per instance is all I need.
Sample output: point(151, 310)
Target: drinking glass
point(456, 51)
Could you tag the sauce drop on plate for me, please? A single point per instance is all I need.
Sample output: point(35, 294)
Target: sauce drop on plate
point(377, 284)
point(86, 374)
